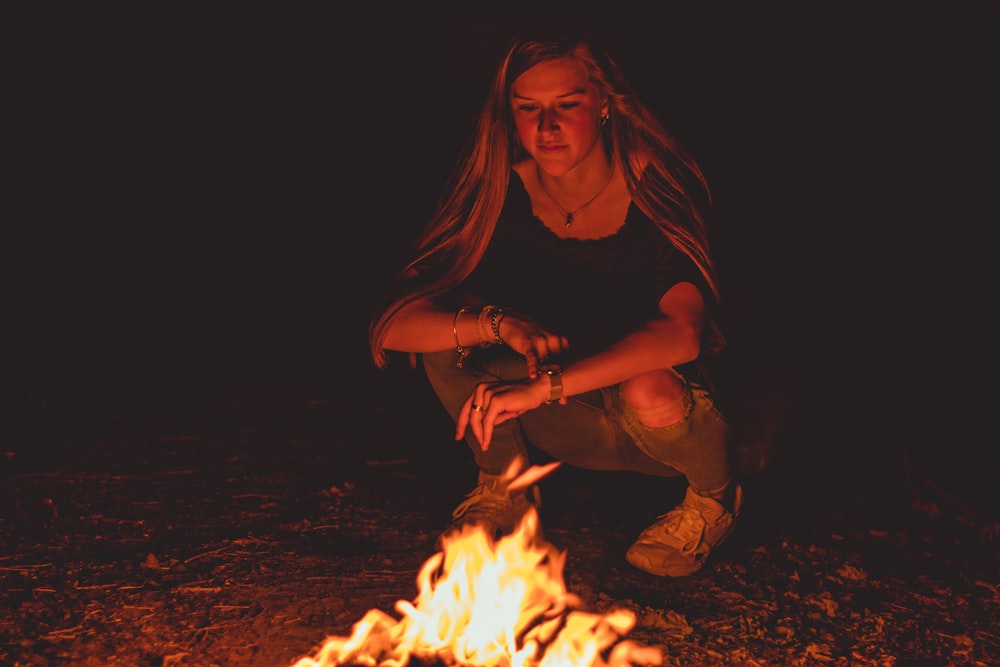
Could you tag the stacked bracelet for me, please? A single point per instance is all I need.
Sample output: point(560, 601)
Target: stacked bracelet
point(483, 327)
point(462, 352)
point(488, 325)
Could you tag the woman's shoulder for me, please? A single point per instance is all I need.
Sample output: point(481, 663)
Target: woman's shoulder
point(524, 176)
point(518, 194)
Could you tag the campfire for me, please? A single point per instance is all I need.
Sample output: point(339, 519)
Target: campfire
point(490, 603)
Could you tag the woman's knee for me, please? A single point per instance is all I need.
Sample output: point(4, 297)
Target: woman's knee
point(658, 398)
point(652, 389)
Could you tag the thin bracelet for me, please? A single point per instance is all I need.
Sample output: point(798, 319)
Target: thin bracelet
point(462, 352)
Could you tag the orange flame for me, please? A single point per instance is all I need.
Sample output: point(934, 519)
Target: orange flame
point(490, 603)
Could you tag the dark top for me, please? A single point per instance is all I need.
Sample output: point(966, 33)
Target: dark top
point(593, 291)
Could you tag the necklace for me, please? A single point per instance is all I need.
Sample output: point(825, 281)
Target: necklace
point(570, 214)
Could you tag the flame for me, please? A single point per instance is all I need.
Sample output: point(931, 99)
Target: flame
point(490, 603)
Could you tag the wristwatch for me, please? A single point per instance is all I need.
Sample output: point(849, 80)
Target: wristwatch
point(555, 383)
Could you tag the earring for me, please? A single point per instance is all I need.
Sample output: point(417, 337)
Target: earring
point(604, 119)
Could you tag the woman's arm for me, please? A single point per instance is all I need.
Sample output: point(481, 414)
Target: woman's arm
point(424, 327)
point(664, 342)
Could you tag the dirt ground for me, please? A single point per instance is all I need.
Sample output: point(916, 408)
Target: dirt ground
point(243, 527)
point(198, 204)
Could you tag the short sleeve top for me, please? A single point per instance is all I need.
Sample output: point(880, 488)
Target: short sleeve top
point(593, 291)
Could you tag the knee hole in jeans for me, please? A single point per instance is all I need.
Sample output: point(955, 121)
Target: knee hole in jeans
point(658, 398)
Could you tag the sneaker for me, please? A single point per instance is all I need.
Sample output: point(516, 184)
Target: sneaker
point(491, 506)
point(680, 541)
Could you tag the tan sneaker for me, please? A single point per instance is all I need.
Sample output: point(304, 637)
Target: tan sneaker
point(680, 541)
point(493, 507)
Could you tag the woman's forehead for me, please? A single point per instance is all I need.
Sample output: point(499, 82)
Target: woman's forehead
point(553, 78)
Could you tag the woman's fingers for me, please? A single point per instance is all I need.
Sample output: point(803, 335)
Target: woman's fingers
point(490, 405)
point(557, 344)
point(472, 413)
point(483, 423)
point(477, 412)
point(542, 347)
point(482, 408)
point(463, 419)
point(491, 418)
point(532, 358)
point(530, 338)
point(507, 401)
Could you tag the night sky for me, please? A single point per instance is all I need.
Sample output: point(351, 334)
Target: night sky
point(211, 199)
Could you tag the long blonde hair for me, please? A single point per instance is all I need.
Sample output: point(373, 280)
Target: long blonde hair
point(663, 180)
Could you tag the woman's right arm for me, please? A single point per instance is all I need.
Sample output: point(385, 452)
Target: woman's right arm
point(424, 327)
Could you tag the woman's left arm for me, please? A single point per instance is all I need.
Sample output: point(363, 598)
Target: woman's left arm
point(664, 342)
point(670, 340)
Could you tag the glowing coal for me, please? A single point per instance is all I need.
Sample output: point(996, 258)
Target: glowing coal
point(490, 603)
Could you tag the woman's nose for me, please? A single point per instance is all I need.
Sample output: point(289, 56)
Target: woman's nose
point(547, 120)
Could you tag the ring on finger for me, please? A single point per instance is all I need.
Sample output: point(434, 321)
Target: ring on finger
point(478, 408)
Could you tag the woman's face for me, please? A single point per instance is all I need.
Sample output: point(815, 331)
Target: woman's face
point(557, 111)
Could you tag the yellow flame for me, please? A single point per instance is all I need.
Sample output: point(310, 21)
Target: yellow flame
point(490, 603)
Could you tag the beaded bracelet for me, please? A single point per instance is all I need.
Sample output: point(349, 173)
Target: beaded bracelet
point(462, 352)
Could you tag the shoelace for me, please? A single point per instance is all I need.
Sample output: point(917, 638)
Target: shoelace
point(482, 498)
point(682, 525)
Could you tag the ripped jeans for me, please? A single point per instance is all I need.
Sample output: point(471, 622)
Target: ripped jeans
point(596, 430)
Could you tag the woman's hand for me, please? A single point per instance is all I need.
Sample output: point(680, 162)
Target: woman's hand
point(530, 339)
point(493, 403)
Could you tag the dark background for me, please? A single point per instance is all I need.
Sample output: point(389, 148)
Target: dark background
point(198, 202)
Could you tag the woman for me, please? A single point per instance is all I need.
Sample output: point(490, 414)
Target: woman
point(563, 295)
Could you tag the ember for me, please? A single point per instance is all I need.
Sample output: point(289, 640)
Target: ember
point(489, 603)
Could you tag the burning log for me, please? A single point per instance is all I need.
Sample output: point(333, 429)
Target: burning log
point(490, 603)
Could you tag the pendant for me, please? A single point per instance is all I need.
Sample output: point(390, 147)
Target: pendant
point(569, 219)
